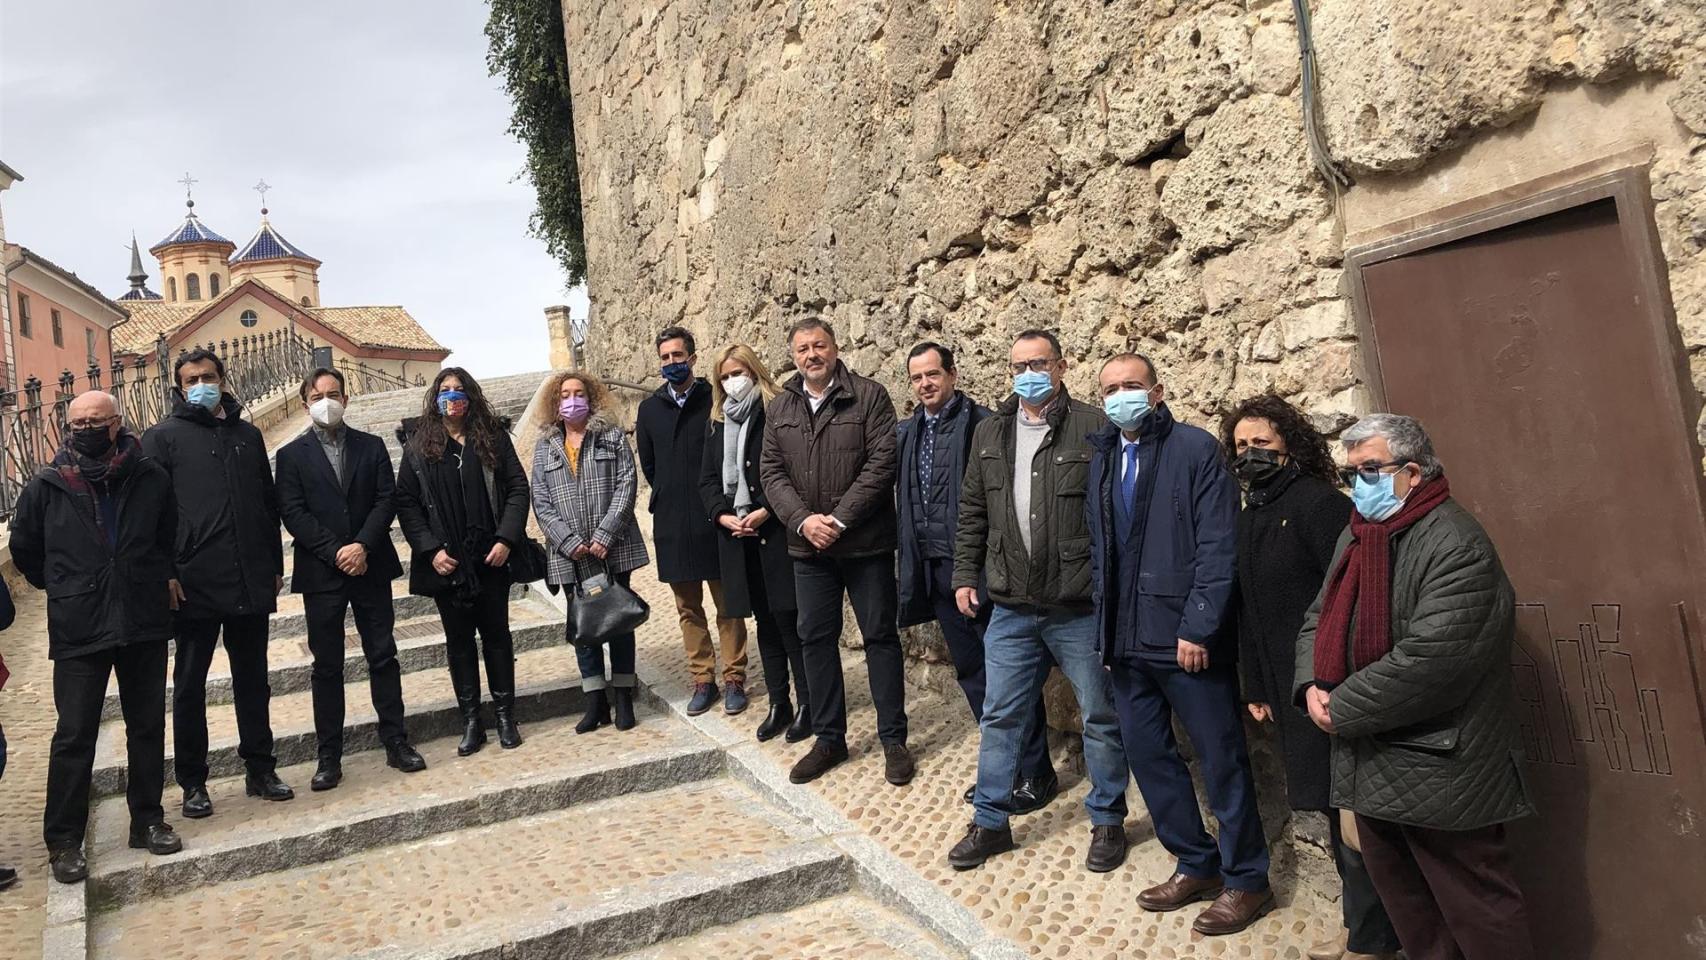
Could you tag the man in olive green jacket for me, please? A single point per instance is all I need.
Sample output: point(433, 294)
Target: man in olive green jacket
point(1405, 659)
point(1023, 523)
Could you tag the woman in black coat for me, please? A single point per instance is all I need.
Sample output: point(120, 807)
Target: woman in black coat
point(1292, 518)
point(752, 547)
point(462, 504)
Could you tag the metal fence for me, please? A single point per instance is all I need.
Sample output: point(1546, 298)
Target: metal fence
point(32, 418)
point(361, 378)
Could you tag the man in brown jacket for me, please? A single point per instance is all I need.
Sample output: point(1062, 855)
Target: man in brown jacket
point(828, 469)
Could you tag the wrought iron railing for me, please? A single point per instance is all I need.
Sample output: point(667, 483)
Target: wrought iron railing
point(257, 368)
point(361, 378)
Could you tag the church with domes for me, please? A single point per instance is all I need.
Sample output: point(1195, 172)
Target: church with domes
point(212, 291)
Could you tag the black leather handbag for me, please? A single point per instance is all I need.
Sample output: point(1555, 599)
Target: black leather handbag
point(527, 561)
point(601, 608)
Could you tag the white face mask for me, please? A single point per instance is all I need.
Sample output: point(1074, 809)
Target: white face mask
point(326, 412)
point(737, 387)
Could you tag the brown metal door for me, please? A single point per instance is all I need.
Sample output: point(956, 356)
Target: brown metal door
point(1538, 355)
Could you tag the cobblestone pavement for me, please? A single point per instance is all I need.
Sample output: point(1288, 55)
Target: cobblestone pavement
point(26, 711)
point(1040, 895)
point(845, 928)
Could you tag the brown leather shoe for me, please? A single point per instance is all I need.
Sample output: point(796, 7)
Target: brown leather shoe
point(1232, 911)
point(1179, 890)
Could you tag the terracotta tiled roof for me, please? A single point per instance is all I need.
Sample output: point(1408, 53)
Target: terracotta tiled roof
point(389, 326)
point(17, 255)
point(149, 319)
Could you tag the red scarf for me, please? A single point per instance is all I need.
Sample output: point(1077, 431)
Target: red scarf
point(1361, 585)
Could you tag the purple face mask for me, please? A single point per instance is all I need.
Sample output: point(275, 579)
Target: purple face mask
point(574, 410)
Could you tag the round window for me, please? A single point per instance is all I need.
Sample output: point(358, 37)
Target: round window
point(249, 318)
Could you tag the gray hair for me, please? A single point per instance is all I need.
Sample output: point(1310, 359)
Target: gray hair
point(1409, 442)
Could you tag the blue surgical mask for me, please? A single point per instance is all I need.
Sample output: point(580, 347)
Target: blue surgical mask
point(1376, 501)
point(1127, 408)
point(677, 373)
point(203, 395)
point(1033, 387)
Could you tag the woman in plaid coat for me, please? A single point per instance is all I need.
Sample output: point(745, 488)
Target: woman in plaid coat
point(584, 486)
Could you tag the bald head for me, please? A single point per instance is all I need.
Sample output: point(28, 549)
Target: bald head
point(92, 405)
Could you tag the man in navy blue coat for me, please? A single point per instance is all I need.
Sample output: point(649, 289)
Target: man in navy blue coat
point(1163, 520)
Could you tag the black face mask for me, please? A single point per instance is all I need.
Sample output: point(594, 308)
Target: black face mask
point(1256, 466)
point(92, 442)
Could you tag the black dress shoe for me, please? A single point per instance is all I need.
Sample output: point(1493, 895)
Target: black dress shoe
point(8, 878)
point(978, 845)
point(197, 803)
point(898, 767)
point(971, 794)
point(1107, 849)
point(777, 721)
point(327, 775)
point(801, 729)
point(267, 786)
point(157, 838)
point(68, 865)
point(1033, 794)
point(400, 755)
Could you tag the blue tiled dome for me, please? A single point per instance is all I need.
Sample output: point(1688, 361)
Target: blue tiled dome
point(267, 244)
point(190, 231)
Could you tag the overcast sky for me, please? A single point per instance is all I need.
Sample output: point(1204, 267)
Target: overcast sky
point(374, 122)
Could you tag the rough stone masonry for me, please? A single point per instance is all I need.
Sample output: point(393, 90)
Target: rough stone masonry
point(1130, 173)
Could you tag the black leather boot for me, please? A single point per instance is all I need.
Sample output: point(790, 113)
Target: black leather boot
point(509, 735)
point(777, 721)
point(624, 697)
point(473, 728)
point(597, 712)
point(801, 728)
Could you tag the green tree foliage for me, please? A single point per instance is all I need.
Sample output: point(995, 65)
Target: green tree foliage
point(527, 49)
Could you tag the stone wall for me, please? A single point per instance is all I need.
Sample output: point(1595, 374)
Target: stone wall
point(1130, 174)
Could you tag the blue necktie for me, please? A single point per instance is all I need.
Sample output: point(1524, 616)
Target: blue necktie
point(1128, 481)
point(927, 457)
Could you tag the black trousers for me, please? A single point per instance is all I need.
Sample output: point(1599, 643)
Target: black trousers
point(488, 616)
point(79, 690)
point(1365, 916)
point(1452, 894)
point(778, 636)
point(869, 583)
point(375, 620)
point(246, 649)
point(965, 648)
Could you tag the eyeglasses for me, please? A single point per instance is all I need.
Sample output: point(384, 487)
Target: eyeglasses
point(86, 423)
point(1039, 365)
point(1369, 472)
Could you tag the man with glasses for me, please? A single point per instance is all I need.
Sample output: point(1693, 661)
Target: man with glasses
point(230, 568)
point(1163, 529)
point(95, 529)
point(1022, 526)
point(1405, 659)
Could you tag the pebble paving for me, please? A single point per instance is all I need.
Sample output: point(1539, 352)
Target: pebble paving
point(843, 928)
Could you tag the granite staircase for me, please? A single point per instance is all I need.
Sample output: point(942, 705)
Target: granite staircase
point(675, 839)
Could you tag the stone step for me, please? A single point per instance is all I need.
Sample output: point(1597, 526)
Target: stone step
point(375, 806)
point(848, 927)
point(547, 680)
point(586, 882)
point(290, 621)
point(420, 646)
point(293, 602)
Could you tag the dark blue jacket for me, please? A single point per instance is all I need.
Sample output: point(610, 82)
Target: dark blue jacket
point(953, 440)
point(1187, 546)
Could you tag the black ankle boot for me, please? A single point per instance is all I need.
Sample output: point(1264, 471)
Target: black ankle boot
point(597, 712)
point(777, 721)
point(509, 735)
point(801, 728)
point(624, 697)
point(473, 730)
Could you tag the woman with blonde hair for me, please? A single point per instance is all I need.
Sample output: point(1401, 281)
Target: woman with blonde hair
point(758, 575)
point(584, 485)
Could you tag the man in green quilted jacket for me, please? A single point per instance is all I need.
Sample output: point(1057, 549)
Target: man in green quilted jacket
point(1404, 659)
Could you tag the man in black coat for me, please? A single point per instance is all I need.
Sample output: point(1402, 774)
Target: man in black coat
point(230, 567)
point(95, 529)
point(334, 491)
point(933, 444)
point(669, 432)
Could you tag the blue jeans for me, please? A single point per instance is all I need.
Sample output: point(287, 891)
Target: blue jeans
point(591, 656)
point(1016, 648)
